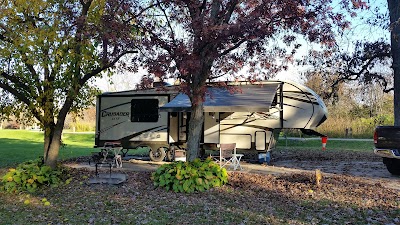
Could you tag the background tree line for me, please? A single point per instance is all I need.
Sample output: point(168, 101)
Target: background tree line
point(357, 108)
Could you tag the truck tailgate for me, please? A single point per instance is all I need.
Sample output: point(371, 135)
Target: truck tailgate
point(387, 137)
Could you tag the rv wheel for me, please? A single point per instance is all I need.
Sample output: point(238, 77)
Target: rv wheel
point(157, 155)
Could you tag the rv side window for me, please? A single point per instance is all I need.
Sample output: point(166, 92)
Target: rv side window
point(144, 110)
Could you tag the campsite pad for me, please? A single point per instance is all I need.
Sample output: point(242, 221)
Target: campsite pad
point(136, 157)
point(108, 178)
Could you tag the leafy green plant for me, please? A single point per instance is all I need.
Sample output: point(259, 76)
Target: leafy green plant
point(190, 176)
point(32, 175)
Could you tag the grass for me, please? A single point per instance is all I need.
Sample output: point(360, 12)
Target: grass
point(337, 145)
point(21, 145)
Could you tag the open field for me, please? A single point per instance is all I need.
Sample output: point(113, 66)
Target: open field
point(290, 197)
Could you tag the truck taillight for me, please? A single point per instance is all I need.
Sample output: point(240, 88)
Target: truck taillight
point(375, 137)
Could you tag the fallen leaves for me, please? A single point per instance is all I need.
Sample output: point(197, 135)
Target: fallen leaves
point(292, 198)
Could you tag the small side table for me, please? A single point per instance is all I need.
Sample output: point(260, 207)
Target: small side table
point(102, 163)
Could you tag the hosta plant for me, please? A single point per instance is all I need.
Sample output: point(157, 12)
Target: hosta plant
point(190, 176)
point(32, 175)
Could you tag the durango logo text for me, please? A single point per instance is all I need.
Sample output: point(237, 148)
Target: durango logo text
point(105, 113)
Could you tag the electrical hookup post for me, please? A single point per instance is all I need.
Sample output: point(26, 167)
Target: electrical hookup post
point(324, 139)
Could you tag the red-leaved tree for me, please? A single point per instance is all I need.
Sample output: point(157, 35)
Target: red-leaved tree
point(200, 40)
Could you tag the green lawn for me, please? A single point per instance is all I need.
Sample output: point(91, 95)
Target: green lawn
point(332, 144)
point(22, 145)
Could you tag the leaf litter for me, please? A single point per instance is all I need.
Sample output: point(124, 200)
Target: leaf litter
point(289, 198)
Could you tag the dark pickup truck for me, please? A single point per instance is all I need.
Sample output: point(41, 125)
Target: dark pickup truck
point(387, 145)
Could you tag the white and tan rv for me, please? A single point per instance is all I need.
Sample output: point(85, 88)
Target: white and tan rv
point(251, 117)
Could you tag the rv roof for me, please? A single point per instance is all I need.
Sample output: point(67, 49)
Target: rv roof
point(249, 98)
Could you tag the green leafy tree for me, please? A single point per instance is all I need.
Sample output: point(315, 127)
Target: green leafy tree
point(50, 51)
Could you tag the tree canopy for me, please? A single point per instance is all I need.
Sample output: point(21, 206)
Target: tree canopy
point(199, 40)
point(49, 52)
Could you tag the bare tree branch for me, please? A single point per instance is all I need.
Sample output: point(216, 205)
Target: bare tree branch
point(99, 69)
point(171, 30)
point(230, 9)
point(147, 8)
point(235, 46)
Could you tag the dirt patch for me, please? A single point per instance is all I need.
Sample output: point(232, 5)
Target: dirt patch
point(362, 165)
point(357, 164)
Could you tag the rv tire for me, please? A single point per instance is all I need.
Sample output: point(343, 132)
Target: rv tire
point(157, 155)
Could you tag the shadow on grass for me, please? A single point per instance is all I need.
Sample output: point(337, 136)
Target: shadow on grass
point(15, 151)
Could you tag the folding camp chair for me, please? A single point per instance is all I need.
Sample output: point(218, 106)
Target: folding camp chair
point(228, 156)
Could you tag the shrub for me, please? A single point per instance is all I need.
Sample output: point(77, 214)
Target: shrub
point(32, 175)
point(190, 176)
point(84, 126)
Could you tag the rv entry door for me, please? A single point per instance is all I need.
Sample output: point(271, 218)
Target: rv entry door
point(184, 118)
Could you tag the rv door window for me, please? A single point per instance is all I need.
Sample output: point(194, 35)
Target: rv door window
point(144, 110)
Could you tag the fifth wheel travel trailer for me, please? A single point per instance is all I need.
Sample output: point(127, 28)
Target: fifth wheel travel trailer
point(252, 116)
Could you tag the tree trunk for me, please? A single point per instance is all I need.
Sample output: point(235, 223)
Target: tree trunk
point(394, 12)
point(52, 142)
point(195, 128)
point(52, 136)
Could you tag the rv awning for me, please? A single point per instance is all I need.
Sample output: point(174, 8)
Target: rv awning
point(249, 98)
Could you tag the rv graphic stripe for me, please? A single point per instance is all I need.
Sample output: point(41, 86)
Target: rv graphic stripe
point(244, 125)
point(300, 99)
point(158, 128)
point(114, 106)
point(293, 106)
point(112, 126)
